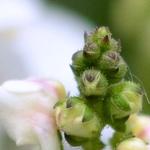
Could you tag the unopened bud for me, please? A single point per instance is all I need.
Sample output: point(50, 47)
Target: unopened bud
point(75, 118)
point(109, 60)
point(113, 66)
point(78, 63)
point(115, 45)
point(93, 83)
point(125, 99)
point(91, 51)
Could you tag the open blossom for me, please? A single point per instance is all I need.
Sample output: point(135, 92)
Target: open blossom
point(26, 112)
point(140, 126)
point(132, 144)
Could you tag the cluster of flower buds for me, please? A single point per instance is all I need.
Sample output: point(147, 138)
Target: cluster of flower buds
point(105, 96)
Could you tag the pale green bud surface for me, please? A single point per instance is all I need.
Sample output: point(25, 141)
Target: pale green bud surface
point(113, 65)
point(78, 63)
point(93, 83)
point(75, 118)
point(132, 144)
point(91, 51)
point(125, 99)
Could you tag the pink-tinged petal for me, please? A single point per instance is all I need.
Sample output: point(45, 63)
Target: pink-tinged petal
point(140, 126)
point(53, 86)
point(145, 134)
point(26, 112)
point(44, 126)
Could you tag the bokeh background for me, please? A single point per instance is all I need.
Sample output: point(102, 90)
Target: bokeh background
point(38, 38)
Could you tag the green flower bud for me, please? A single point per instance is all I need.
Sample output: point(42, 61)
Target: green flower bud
point(113, 66)
point(102, 32)
point(78, 63)
point(93, 83)
point(104, 37)
point(91, 51)
point(115, 45)
point(125, 98)
point(107, 42)
point(100, 40)
point(109, 60)
point(75, 118)
point(97, 40)
point(132, 144)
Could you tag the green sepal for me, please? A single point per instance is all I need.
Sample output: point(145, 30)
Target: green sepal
point(78, 63)
point(92, 83)
point(119, 103)
point(113, 66)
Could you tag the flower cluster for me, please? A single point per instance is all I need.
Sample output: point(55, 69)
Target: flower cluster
point(106, 97)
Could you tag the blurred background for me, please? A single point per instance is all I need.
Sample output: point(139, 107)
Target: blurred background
point(38, 37)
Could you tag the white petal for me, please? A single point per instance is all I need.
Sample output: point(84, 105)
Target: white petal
point(18, 86)
point(26, 111)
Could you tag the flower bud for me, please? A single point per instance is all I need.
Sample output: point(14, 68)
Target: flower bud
point(102, 41)
point(113, 66)
point(93, 83)
point(132, 144)
point(103, 32)
point(91, 51)
point(139, 125)
point(115, 45)
point(78, 63)
point(96, 42)
point(125, 98)
point(75, 118)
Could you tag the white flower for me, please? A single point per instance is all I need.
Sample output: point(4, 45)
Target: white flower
point(26, 112)
point(139, 125)
point(132, 144)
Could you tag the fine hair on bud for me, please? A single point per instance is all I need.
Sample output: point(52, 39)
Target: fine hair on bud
point(113, 65)
point(78, 63)
point(75, 118)
point(93, 83)
point(125, 98)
